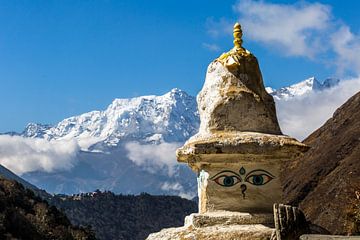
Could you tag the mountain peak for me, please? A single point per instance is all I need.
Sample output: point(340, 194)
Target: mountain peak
point(177, 91)
point(304, 87)
point(172, 117)
point(35, 130)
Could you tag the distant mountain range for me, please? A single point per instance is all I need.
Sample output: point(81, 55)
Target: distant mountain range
point(104, 162)
point(171, 117)
point(304, 87)
point(152, 123)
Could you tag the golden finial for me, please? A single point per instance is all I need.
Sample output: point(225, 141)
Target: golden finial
point(232, 58)
point(237, 36)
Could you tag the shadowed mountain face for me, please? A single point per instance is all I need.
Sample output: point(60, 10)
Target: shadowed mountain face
point(25, 216)
point(7, 174)
point(325, 182)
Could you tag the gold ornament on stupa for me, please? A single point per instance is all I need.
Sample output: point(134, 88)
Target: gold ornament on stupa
point(232, 58)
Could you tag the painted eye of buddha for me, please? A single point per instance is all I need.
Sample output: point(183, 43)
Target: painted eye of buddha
point(226, 178)
point(259, 177)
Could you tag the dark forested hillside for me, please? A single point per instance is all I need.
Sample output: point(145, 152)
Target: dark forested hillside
point(325, 182)
point(125, 217)
point(25, 216)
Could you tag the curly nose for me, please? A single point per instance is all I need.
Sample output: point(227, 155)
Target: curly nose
point(243, 189)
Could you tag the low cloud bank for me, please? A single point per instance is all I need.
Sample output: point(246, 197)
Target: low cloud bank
point(300, 116)
point(177, 189)
point(153, 157)
point(22, 155)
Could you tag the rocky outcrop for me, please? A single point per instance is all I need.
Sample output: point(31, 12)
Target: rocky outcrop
point(325, 182)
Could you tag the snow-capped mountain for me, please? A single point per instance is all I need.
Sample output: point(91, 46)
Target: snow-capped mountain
point(35, 130)
point(302, 88)
point(172, 117)
point(154, 123)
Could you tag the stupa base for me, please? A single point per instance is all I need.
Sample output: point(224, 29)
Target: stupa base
point(222, 225)
point(287, 222)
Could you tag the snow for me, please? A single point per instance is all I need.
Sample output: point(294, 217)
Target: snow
point(302, 88)
point(156, 125)
point(172, 117)
point(270, 90)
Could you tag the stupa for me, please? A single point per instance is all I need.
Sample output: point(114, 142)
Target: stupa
point(237, 153)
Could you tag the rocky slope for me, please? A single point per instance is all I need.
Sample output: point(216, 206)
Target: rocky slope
point(7, 174)
point(118, 217)
point(25, 216)
point(325, 182)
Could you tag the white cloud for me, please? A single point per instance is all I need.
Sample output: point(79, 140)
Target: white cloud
point(301, 29)
point(300, 116)
point(347, 47)
point(295, 29)
point(153, 157)
point(22, 155)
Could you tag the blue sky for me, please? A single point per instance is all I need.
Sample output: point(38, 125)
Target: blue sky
point(63, 58)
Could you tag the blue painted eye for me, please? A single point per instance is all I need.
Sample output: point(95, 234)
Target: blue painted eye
point(259, 177)
point(257, 180)
point(226, 179)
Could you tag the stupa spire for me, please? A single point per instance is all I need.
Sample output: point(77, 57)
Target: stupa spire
point(232, 58)
point(237, 33)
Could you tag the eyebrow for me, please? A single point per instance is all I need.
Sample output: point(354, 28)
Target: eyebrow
point(259, 170)
point(225, 171)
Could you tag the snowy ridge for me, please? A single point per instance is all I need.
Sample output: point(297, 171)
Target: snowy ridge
point(302, 88)
point(171, 117)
